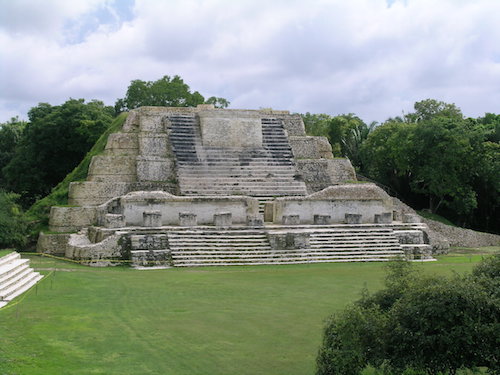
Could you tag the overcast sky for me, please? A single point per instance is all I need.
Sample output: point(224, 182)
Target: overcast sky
point(374, 58)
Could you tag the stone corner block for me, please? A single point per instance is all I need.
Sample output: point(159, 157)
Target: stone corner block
point(114, 221)
point(253, 221)
point(151, 218)
point(290, 220)
point(187, 219)
point(411, 218)
point(353, 218)
point(383, 218)
point(223, 219)
point(322, 219)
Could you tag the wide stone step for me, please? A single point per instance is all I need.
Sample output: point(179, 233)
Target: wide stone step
point(226, 234)
point(14, 278)
point(252, 185)
point(371, 248)
point(7, 277)
point(362, 238)
point(354, 241)
point(8, 269)
point(248, 163)
point(199, 258)
point(216, 243)
point(269, 193)
point(8, 258)
point(240, 179)
point(229, 174)
point(264, 167)
point(223, 262)
point(220, 239)
point(12, 291)
point(217, 247)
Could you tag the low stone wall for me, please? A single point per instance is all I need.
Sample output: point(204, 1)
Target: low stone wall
point(366, 200)
point(461, 236)
point(71, 219)
point(53, 243)
point(442, 236)
point(133, 205)
point(108, 252)
point(85, 193)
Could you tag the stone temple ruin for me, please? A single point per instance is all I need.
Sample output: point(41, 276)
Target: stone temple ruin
point(204, 186)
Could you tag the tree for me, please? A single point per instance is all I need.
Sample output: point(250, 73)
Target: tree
point(10, 133)
point(166, 92)
point(346, 133)
point(218, 102)
point(429, 109)
point(387, 155)
point(13, 225)
point(442, 161)
point(52, 144)
point(418, 324)
point(434, 158)
point(316, 124)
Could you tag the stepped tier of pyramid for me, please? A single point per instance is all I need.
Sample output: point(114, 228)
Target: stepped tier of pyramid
point(205, 186)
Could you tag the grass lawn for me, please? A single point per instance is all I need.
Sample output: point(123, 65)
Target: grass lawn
point(233, 320)
point(5, 252)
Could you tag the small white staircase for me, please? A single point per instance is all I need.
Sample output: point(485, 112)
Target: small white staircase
point(16, 277)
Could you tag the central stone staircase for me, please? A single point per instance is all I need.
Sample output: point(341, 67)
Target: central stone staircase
point(264, 172)
point(16, 277)
point(335, 243)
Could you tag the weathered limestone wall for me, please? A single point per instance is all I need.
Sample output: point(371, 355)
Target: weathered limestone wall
point(293, 124)
point(225, 128)
point(318, 174)
point(105, 253)
point(307, 147)
point(54, 244)
point(139, 157)
point(71, 219)
point(133, 205)
point(367, 200)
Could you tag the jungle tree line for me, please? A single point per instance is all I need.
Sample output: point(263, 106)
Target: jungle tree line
point(433, 158)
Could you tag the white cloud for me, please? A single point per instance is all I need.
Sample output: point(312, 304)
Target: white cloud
point(330, 56)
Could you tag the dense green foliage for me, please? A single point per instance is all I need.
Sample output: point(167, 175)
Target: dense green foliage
point(38, 213)
point(53, 142)
point(423, 324)
point(437, 159)
point(219, 320)
point(166, 92)
point(432, 158)
point(346, 133)
point(10, 133)
point(13, 225)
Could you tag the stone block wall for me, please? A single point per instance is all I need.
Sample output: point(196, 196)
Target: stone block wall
point(318, 174)
point(310, 147)
point(367, 200)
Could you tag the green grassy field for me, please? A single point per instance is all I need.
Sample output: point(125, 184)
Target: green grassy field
point(5, 252)
point(233, 320)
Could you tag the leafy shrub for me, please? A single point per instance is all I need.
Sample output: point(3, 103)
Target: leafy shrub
point(418, 325)
point(13, 224)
